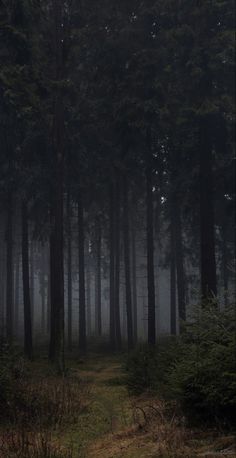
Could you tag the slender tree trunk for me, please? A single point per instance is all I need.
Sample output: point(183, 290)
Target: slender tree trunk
point(42, 290)
point(117, 266)
point(48, 291)
point(9, 270)
point(69, 273)
point(128, 293)
point(224, 264)
point(172, 273)
point(98, 286)
point(82, 305)
point(180, 265)
point(134, 280)
point(112, 267)
point(208, 262)
point(57, 241)
point(28, 345)
point(150, 260)
point(32, 281)
point(88, 295)
point(17, 294)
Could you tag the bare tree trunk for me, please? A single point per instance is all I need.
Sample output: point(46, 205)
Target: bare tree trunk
point(208, 262)
point(117, 266)
point(9, 270)
point(150, 260)
point(128, 293)
point(172, 272)
point(88, 294)
point(82, 305)
point(28, 344)
point(31, 244)
point(69, 273)
point(112, 267)
point(57, 239)
point(17, 294)
point(134, 279)
point(98, 286)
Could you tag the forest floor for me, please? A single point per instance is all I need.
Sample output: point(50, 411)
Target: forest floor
point(102, 420)
point(115, 424)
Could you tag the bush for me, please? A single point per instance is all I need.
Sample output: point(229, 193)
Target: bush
point(204, 378)
point(197, 369)
point(12, 371)
point(147, 367)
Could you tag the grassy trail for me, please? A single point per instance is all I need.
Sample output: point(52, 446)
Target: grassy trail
point(115, 425)
point(105, 427)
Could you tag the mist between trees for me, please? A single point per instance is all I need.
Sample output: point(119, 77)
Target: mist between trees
point(116, 169)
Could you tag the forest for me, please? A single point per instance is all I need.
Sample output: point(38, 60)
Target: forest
point(117, 229)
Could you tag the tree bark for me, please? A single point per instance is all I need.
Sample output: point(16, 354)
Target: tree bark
point(31, 244)
point(82, 305)
point(150, 259)
point(17, 294)
point(134, 278)
point(88, 294)
point(172, 272)
point(98, 288)
point(117, 265)
point(112, 267)
point(28, 344)
point(208, 262)
point(69, 274)
point(57, 239)
point(9, 270)
point(180, 264)
point(126, 234)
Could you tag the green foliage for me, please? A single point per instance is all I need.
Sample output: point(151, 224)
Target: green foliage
point(204, 377)
point(12, 370)
point(198, 369)
point(146, 367)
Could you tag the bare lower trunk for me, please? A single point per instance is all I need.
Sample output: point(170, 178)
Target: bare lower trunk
point(128, 294)
point(117, 266)
point(208, 262)
point(112, 267)
point(82, 305)
point(98, 289)
point(9, 270)
point(150, 260)
point(28, 345)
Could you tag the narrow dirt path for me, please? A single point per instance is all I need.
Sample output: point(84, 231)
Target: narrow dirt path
point(115, 425)
point(106, 429)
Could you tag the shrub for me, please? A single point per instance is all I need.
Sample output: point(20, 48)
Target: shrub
point(204, 377)
point(12, 371)
point(197, 369)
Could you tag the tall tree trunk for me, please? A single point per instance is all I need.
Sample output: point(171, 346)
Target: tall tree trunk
point(32, 281)
point(88, 294)
point(57, 242)
point(17, 294)
point(117, 266)
point(128, 294)
point(180, 265)
point(134, 279)
point(172, 272)
point(224, 263)
point(42, 290)
point(69, 273)
point(112, 267)
point(150, 260)
point(98, 286)
point(208, 262)
point(28, 345)
point(82, 305)
point(9, 270)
